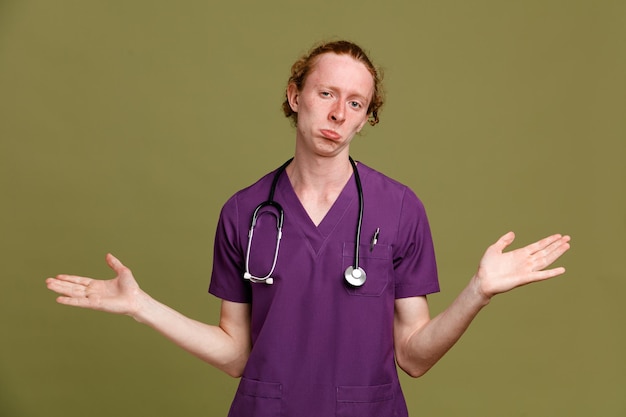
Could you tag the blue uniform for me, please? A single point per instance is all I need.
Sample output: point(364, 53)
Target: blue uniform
point(320, 347)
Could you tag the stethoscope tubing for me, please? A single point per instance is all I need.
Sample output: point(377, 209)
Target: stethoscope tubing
point(359, 222)
point(354, 275)
point(279, 226)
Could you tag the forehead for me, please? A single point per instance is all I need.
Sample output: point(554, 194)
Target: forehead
point(341, 72)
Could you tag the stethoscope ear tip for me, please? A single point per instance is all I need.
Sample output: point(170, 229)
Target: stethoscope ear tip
point(248, 276)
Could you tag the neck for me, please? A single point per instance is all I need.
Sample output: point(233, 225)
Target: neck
point(320, 173)
point(318, 183)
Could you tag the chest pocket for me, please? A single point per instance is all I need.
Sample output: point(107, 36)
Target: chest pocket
point(377, 265)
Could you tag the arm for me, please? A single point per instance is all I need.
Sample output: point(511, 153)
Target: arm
point(420, 342)
point(225, 346)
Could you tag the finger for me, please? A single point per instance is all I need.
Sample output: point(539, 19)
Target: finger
point(67, 288)
point(560, 245)
point(546, 274)
point(504, 241)
point(60, 287)
point(73, 279)
point(553, 252)
point(542, 244)
point(115, 264)
point(75, 302)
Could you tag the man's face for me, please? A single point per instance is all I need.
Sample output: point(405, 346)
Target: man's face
point(332, 105)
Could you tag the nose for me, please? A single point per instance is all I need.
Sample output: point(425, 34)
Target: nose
point(337, 113)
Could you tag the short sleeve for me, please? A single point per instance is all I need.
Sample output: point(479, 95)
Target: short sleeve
point(227, 280)
point(415, 266)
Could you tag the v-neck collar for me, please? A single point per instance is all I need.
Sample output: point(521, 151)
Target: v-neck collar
point(316, 235)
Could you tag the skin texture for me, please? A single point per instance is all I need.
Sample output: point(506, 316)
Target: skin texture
point(332, 108)
point(420, 341)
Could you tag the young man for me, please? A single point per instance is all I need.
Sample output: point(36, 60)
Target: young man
point(315, 313)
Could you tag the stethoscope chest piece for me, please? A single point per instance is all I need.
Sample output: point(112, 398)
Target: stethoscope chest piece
point(355, 277)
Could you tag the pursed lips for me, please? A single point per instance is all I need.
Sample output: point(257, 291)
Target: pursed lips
point(330, 134)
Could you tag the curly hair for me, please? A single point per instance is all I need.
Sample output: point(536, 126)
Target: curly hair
point(303, 66)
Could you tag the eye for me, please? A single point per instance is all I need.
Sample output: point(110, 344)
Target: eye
point(355, 104)
point(325, 94)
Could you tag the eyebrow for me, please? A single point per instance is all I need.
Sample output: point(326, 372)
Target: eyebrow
point(350, 94)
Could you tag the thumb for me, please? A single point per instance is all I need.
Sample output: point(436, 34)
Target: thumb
point(115, 263)
point(503, 242)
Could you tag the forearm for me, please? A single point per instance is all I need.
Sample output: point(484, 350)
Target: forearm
point(425, 345)
point(225, 346)
point(420, 342)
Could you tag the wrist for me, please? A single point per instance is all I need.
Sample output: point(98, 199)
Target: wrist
point(481, 296)
point(140, 306)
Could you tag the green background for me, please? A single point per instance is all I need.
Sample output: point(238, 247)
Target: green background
point(124, 126)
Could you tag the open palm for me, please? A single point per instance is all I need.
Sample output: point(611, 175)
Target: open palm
point(501, 271)
point(117, 295)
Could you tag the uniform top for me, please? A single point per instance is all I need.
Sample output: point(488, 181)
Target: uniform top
point(320, 347)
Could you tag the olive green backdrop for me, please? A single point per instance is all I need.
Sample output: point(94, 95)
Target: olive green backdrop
point(124, 126)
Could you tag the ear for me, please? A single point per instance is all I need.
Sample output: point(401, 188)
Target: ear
point(292, 96)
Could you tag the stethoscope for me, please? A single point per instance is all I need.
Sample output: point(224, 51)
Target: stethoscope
point(354, 275)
